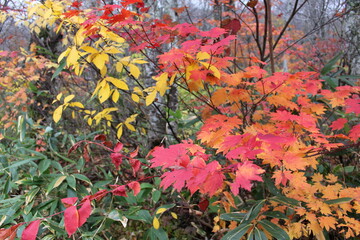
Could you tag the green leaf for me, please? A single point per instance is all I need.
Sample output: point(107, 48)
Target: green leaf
point(114, 215)
point(275, 214)
point(31, 194)
point(270, 186)
point(235, 216)
point(82, 178)
point(331, 64)
point(156, 196)
point(142, 215)
point(55, 183)
point(20, 163)
point(254, 211)
point(275, 231)
point(237, 232)
point(349, 169)
point(59, 69)
point(259, 235)
point(339, 200)
point(330, 81)
point(71, 182)
point(44, 165)
point(161, 234)
point(286, 200)
point(146, 185)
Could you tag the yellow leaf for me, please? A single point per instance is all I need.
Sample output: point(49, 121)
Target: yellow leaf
point(115, 96)
point(103, 71)
point(89, 49)
point(104, 93)
point(58, 97)
point(119, 66)
point(188, 70)
point(112, 50)
point(64, 54)
point(73, 57)
point(119, 131)
point(174, 215)
point(134, 70)
point(161, 210)
point(132, 118)
point(202, 55)
point(69, 98)
point(79, 37)
point(125, 60)
point(172, 79)
point(161, 84)
point(156, 223)
point(150, 98)
point(138, 91)
point(89, 121)
point(117, 83)
point(76, 104)
point(59, 181)
point(139, 61)
point(111, 35)
point(100, 60)
point(130, 127)
point(135, 98)
point(57, 113)
point(215, 71)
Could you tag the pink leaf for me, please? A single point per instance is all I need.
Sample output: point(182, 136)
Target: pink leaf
point(68, 202)
point(31, 230)
point(116, 159)
point(135, 186)
point(71, 219)
point(119, 190)
point(118, 147)
point(84, 212)
point(135, 165)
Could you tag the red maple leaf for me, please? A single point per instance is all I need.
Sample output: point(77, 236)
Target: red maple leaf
point(173, 157)
point(353, 105)
point(245, 173)
point(338, 124)
point(354, 133)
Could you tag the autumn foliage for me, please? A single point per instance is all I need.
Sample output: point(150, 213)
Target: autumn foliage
point(263, 138)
